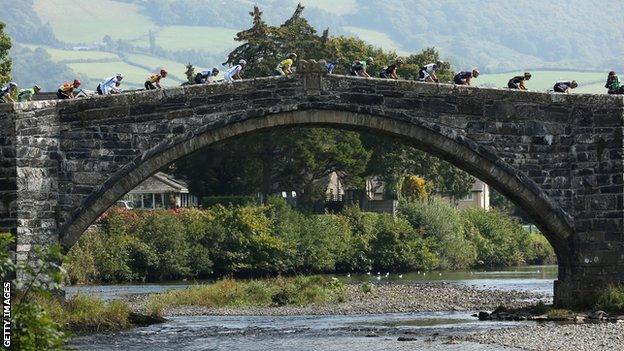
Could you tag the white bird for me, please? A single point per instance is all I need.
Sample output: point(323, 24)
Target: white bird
point(387, 274)
point(440, 274)
point(368, 273)
point(378, 273)
point(424, 273)
point(349, 275)
point(400, 276)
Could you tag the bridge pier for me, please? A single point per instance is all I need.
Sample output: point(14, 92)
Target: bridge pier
point(559, 157)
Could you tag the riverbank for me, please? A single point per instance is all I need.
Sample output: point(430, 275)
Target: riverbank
point(369, 299)
point(552, 336)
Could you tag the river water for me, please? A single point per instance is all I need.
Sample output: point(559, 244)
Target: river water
point(429, 330)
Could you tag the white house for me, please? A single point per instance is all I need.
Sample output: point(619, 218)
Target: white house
point(161, 191)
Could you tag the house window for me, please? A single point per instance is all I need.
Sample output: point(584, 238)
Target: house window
point(469, 197)
point(137, 200)
point(159, 200)
point(148, 200)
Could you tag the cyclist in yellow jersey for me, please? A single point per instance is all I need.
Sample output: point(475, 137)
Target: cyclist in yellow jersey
point(153, 82)
point(66, 91)
point(284, 68)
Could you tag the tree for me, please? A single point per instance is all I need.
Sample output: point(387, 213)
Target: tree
point(298, 158)
point(393, 161)
point(5, 60)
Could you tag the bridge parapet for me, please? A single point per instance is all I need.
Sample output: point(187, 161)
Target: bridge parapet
point(559, 156)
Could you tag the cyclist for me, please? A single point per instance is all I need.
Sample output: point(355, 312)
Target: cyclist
point(66, 91)
point(153, 82)
point(284, 68)
point(206, 76)
point(358, 68)
point(427, 72)
point(27, 94)
point(464, 77)
point(110, 85)
point(390, 71)
point(613, 84)
point(7, 92)
point(565, 86)
point(517, 82)
point(234, 72)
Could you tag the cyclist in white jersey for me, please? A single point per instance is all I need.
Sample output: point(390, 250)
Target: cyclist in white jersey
point(233, 73)
point(428, 72)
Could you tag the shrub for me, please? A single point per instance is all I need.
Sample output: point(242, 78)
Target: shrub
point(438, 222)
point(209, 201)
point(501, 240)
point(32, 326)
point(299, 291)
point(611, 299)
point(415, 188)
point(165, 234)
point(540, 251)
point(395, 244)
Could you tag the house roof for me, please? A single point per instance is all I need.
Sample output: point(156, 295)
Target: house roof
point(180, 185)
point(160, 183)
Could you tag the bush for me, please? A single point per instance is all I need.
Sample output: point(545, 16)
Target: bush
point(501, 241)
point(540, 251)
point(415, 188)
point(33, 328)
point(611, 299)
point(297, 291)
point(164, 233)
point(442, 226)
point(209, 201)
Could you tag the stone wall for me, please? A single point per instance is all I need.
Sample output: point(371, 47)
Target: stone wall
point(559, 157)
point(8, 186)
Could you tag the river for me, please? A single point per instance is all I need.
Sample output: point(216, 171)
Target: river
point(430, 330)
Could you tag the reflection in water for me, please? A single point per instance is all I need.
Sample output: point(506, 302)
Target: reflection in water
point(427, 331)
point(430, 330)
point(530, 278)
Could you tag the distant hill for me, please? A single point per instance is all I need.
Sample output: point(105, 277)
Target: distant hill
point(142, 35)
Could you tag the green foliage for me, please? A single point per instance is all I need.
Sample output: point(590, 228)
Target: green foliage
point(297, 291)
point(415, 188)
point(82, 313)
point(32, 326)
point(275, 239)
point(208, 201)
point(500, 240)
point(394, 161)
point(441, 225)
point(540, 251)
point(5, 60)
point(611, 299)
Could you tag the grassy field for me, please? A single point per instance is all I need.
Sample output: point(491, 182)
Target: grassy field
point(376, 38)
point(59, 55)
point(133, 76)
point(96, 19)
point(175, 69)
point(209, 39)
point(589, 82)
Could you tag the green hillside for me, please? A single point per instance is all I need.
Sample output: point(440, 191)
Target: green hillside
point(89, 21)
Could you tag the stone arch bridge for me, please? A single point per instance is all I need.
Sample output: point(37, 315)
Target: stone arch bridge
point(559, 157)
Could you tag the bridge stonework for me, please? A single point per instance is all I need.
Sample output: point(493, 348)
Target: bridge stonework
point(559, 157)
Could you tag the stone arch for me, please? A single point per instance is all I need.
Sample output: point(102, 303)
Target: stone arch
point(479, 161)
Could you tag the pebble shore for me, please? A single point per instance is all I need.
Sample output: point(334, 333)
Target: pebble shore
point(552, 336)
point(384, 298)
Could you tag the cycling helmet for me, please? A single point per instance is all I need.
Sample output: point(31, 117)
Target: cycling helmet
point(370, 60)
point(475, 73)
point(399, 60)
point(37, 88)
point(119, 75)
point(163, 72)
point(242, 62)
point(527, 75)
point(76, 83)
point(439, 63)
point(292, 55)
point(215, 70)
point(13, 84)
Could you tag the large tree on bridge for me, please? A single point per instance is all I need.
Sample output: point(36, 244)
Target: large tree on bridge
point(5, 60)
point(296, 159)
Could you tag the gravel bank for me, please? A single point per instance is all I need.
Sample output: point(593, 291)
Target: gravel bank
point(385, 298)
point(551, 336)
